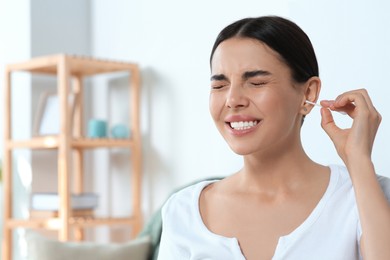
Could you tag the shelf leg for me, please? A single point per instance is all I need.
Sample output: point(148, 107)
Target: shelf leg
point(78, 155)
point(64, 149)
point(7, 171)
point(136, 153)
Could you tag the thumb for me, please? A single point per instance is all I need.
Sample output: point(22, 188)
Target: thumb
point(328, 124)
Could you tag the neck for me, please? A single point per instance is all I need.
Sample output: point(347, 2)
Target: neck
point(276, 172)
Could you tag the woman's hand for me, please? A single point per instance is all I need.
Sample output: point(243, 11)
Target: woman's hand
point(354, 145)
point(356, 142)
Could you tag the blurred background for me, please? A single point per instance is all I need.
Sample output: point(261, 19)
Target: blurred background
point(171, 41)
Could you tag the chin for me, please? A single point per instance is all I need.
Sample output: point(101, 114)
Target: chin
point(242, 150)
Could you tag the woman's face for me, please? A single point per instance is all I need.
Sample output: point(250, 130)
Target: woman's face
point(254, 102)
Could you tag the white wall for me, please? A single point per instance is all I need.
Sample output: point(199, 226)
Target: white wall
point(56, 27)
point(14, 46)
point(28, 29)
point(15, 38)
point(351, 39)
point(171, 40)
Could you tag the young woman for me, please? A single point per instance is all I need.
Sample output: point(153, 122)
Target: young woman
point(281, 204)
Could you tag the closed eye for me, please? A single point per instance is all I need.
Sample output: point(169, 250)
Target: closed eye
point(258, 84)
point(218, 81)
point(217, 87)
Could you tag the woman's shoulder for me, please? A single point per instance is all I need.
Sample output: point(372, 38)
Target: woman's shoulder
point(385, 184)
point(344, 178)
point(186, 198)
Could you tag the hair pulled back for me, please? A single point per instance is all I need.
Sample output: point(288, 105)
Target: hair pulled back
point(281, 35)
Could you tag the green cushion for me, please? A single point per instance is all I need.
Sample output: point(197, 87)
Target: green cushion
point(153, 227)
point(42, 248)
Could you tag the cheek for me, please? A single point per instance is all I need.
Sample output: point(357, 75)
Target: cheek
point(276, 108)
point(266, 101)
point(284, 109)
point(277, 100)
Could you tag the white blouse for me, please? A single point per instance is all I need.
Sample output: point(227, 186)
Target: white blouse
point(332, 230)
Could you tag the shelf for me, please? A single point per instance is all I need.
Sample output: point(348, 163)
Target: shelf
point(85, 222)
point(44, 142)
point(55, 224)
point(78, 65)
point(52, 142)
point(70, 72)
point(96, 143)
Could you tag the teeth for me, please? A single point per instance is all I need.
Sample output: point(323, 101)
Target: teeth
point(242, 125)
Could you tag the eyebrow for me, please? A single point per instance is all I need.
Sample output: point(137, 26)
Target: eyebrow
point(245, 76)
point(251, 74)
point(218, 77)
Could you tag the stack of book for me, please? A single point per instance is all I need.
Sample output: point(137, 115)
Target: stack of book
point(47, 204)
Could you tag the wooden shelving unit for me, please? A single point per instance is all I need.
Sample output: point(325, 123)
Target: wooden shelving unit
point(70, 71)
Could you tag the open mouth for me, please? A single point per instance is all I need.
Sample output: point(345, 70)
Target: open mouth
point(243, 125)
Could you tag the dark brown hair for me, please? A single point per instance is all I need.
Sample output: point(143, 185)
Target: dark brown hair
point(283, 36)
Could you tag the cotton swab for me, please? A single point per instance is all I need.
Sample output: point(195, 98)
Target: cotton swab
point(318, 105)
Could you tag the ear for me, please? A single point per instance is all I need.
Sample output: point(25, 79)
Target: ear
point(312, 90)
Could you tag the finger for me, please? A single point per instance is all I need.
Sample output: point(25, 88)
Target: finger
point(361, 96)
point(328, 124)
point(375, 114)
point(364, 109)
point(364, 92)
point(365, 95)
point(352, 102)
point(348, 101)
point(348, 108)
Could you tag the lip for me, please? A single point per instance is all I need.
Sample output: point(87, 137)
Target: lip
point(238, 118)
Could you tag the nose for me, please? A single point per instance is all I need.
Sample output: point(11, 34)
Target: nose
point(236, 97)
